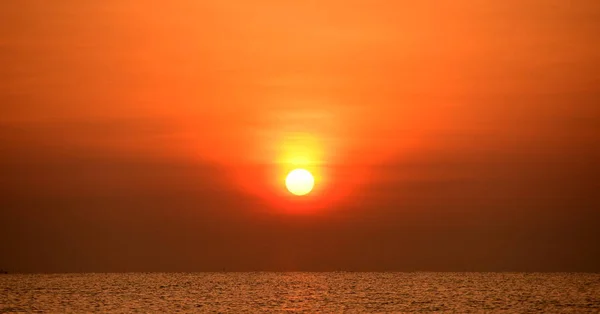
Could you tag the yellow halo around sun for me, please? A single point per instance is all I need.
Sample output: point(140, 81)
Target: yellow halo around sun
point(299, 181)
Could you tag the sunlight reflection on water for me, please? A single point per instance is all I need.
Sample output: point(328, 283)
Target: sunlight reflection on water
point(301, 292)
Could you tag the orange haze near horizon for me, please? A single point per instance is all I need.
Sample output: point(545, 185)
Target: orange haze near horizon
point(442, 135)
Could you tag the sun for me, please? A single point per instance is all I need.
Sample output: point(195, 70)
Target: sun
point(299, 181)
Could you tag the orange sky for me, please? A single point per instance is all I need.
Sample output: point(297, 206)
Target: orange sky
point(484, 115)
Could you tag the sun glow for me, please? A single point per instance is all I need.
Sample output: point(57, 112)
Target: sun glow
point(299, 182)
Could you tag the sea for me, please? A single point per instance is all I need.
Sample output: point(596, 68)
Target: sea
point(309, 292)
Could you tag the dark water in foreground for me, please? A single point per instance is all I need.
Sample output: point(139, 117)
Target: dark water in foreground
point(301, 292)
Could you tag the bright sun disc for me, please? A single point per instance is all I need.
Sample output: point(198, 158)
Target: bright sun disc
point(299, 182)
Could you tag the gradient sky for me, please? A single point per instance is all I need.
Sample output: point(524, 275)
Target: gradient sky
point(155, 135)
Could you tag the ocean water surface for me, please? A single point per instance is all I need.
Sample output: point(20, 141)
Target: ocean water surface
point(301, 292)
